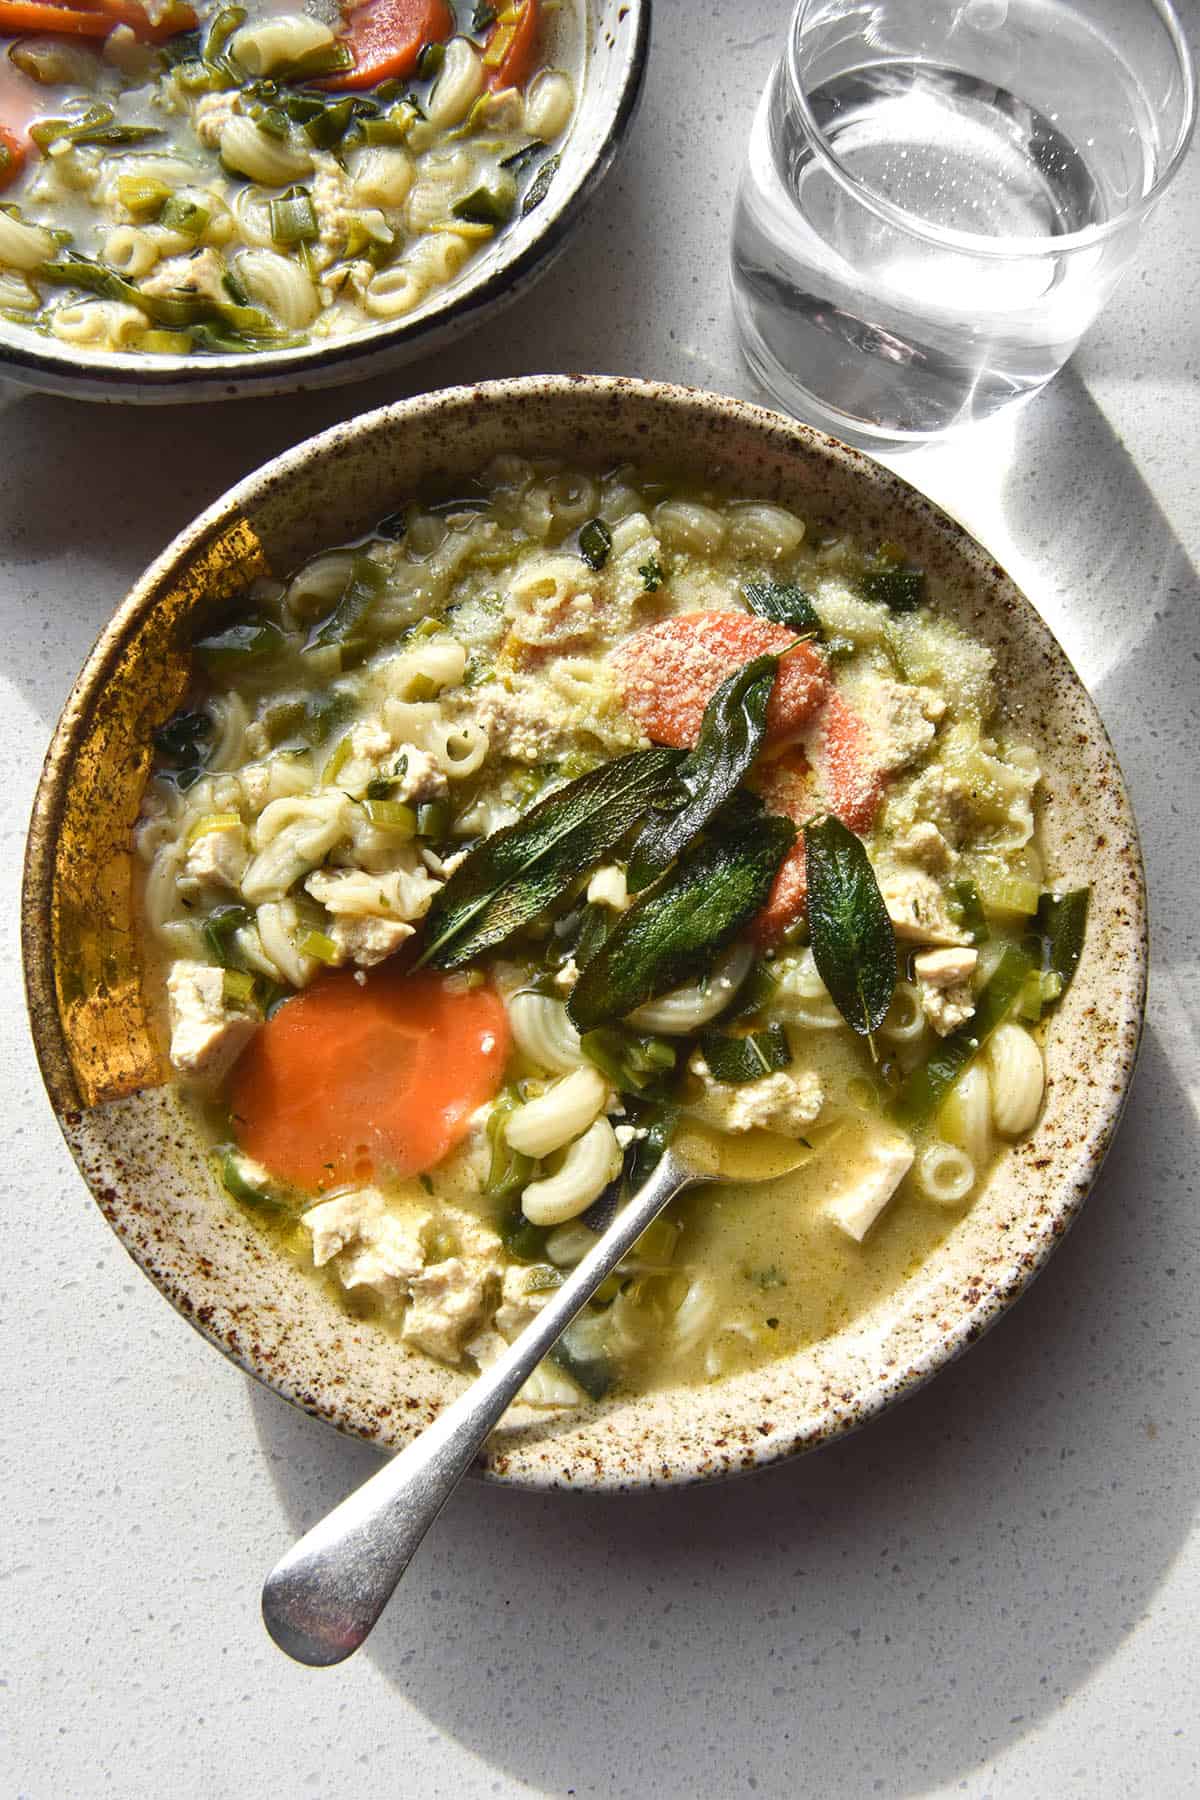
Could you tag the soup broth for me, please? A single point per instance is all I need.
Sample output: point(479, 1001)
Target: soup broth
point(422, 851)
point(241, 179)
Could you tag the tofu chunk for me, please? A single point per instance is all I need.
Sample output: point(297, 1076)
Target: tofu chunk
point(944, 984)
point(917, 908)
point(449, 1300)
point(207, 1037)
point(200, 275)
point(886, 1163)
point(367, 941)
point(378, 1248)
point(216, 859)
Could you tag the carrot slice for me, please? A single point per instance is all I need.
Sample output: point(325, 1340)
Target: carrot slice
point(20, 17)
point(787, 787)
point(669, 672)
point(851, 783)
point(386, 38)
point(12, 156)
point(349, 1081)
point(174, 18)
point(510, 54)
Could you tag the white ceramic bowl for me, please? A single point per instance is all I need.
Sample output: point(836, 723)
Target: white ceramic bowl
point(156, 1186)
point(618, 35)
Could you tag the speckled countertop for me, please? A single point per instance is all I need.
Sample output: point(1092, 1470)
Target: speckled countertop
point(991, 1592)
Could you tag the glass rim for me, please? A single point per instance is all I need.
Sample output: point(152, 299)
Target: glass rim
point(971, 243)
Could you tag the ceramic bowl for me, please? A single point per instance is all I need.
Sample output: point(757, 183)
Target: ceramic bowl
point(150, 1177)
point(618, 38)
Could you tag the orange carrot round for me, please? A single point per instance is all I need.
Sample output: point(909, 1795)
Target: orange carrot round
point(350, 1081)
point(850, 779)
point(12, 156)
point(510, 54)
point(387, 37)
point(669, 672)
point(18, 18)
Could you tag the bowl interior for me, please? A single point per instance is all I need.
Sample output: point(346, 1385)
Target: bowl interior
point(617, 36)
point(90, 1013)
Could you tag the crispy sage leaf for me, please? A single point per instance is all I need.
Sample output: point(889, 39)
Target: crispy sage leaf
point(595, 543)
point(783, 603)
point(730, 734)
point(508, 878)
point(734, 1060)
point(677, 928)
point(853, 943)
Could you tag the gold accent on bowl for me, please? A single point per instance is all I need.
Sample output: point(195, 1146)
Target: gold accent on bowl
point(81, 854)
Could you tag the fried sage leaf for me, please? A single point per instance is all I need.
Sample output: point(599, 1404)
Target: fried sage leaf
point(784, 604)
point(508, 879)
point(853, 943)
point(734, 1060)
point(730, 734)
point(675, 929)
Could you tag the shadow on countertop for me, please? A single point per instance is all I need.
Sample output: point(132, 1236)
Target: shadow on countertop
point(886, 1615)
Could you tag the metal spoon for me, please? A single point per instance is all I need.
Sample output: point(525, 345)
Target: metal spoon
point(322, 1599)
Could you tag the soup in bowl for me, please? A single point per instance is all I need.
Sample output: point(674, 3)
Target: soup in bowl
point(536, 804)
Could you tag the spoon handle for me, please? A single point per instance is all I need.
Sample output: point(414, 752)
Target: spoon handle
point(320, 1601)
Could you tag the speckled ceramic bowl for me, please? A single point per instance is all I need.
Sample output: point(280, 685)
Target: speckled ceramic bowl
point(618, 36)
point(151, 1179)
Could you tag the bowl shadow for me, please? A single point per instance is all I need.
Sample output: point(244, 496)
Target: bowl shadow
point(941, 1581)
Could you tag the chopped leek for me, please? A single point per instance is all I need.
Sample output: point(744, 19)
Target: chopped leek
point(184, 215)
point(237, 987)
point(225, 821)
point(293, 218)
point(247, 642)
point(342, 753)
point(320, 947)
point(392, 815)
point(967, 909)
point(142, 193)
point(632, 1063)
point(219, 928)
point(433, 819)
point(1006, 896)
point(487, 205)
point(248, 1192)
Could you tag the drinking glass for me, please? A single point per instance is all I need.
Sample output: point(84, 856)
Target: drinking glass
point(940, 196)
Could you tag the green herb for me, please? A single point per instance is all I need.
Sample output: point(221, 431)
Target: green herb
point(236, 1184)
point(510, 877)
point(520, 159)
point(730, 734)
point(1062, 922)
point(928, 1084)
point(485, 205)
point(483, 16)
point(293, 218)
point(219, 928)
point(185, 739)
point(734, 1060)
point(588, 1367)
point(328, 125)
point(595, 543)
point(652, 575)
point(784, 604)
point(853, 943)
point(678, 927)
point(900, 588)
point(222, 28)
point(322, 59)
point(98, 125)
point(967, 910)
point(631, 1062)
point(539, 187)
point(430, 60)
point(249, 641)
point(366, 583)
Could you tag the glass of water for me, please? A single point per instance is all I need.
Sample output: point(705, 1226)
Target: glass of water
point(940, 195)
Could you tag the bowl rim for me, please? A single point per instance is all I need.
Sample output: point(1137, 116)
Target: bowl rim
point(322, 1398)
point(126, 376)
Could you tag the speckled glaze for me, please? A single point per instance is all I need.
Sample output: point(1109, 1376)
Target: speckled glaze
point(157, 1189)
point(618, 36)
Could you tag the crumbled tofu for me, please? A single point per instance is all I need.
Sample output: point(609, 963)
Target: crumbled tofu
point(362, 939)
point(945, 968)
point(200, 275)
point(933, 797)
point(448, 1303)
point(924, 845)
point(900, 719)
point(917, 908)
point(378, 1248)
point(333, 203)
point(207, 1037)
point(537, 718)
point(422, 778)
point(608, 888)
point(887, 1161)
point(216, 859)
point(517, 1304)
point(785, 1101)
